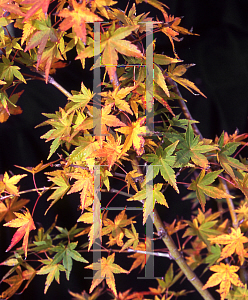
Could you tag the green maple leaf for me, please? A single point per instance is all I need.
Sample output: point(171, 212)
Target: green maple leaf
point(238, 293)
point(80, 100)
point(61, 122)
point(227, 162)
point(8, 71)
point(66, 254)
point(44, 32)
point(202, 186)
point(202, 227)
point(111, 43)
point(59, 178)
point(193, 148)
point(148, 207)
point(163, 161)
point(53, 271)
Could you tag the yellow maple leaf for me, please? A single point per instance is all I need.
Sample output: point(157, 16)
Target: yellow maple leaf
point(106, 269)
point(234, 243)
point(134, 133)
point(7, 184)
point(225, 275)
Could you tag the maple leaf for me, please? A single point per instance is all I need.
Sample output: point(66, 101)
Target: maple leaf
point(203, 227)
point(34, 6)
point(7, 184)
point(192, 147)
point(26, 224)
point(16, 281)
point(117, 96)
point(44, 32)
point(8, 106)
point(175, 74)
point(242, 212)
point(141, 258)
point(111, 43)
point(53, 271)
point(106, 120)
point(110, 151)
point(162, 162)
point(60, 179)
point(239, 293)
point(225, 275)
point(84, 183)
point(149, 205)
point(77, 17)
point(66, 254)
point(202, 187)
point(116, 228)
point(11, 205)
point(234, 243)
point(40, 167)
point(85, 296)
point(133, 238)
point(106, 269)
point(8, 71)
point(132, 177)
point(134, 137)
point(227, 162)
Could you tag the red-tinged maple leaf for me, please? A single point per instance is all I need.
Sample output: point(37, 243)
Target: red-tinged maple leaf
point(134, 133)
point(225, 275)
point(84, 183)
point(76, 17)
point(26, 224)
point(7, 184)
point(11, 205)
point(9, 6)
point(234, 243)
point(34, 6)
point(106, 269)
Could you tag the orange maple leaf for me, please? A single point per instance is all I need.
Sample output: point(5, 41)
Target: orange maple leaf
point(26, 224)
point(225, 275)
point(134, 133)
point(11, 205)
point(77, 17)
point(106, 269)
point(234, 243)
point(35, 5)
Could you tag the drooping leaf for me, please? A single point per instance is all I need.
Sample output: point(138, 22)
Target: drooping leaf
point(34, 6)
point(141, 257)
point(26, 224)
point(106, 269)
point(225, 275)
point(53, 271)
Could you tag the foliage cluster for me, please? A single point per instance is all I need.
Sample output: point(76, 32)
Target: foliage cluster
point(108, 132)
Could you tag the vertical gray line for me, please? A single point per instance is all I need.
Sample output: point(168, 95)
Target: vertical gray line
point(97, 81)
point(96, 217)
point(149, 77)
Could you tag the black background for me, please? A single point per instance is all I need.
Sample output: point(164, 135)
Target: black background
point(221, 72)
